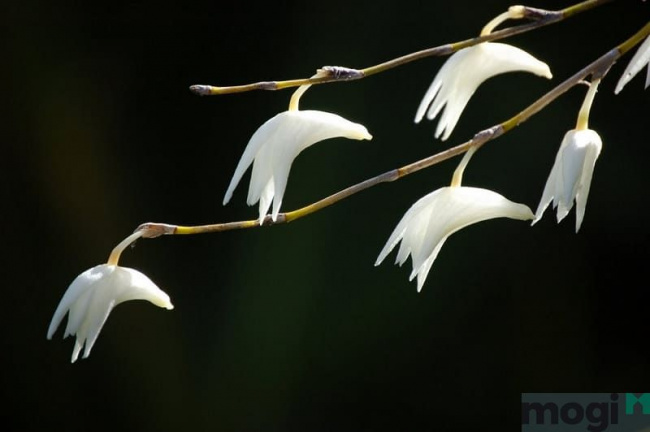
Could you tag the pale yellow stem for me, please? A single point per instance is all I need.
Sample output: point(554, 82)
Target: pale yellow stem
point(295, 97)
point(117, 250)
point(514, 12)
point(340, 74)
point(583, 114)
point(457, 179)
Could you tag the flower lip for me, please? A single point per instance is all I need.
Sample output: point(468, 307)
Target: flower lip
point(273, 147)
point(464, 72)
point(425, 227)
point(91, 297)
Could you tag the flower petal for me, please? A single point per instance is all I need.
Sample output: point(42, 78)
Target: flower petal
point(423, 271)
point(265, 132)
point(76, 288)
point(425, 227)
point(275, 145)
point(594, 146)
point(134, 285)
point(92, 296)
point(572, 161)
point(464, 72)
point(78, 313)
point(100, 308)
point(570, 177)
point(640, 59)
point(400, 230)
point(549, 189)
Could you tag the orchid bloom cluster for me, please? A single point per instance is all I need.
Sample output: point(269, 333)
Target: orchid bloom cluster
point(424, 227)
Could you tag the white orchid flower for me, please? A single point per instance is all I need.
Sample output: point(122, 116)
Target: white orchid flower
point(425, 227)
point(466, 70)
point(92, 296)
point(640, 59)
point(275, 145)
point(570, 177)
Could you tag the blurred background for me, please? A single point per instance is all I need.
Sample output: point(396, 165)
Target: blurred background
point(291, 328)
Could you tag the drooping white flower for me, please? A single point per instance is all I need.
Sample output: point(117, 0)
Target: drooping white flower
point(275, 145)
point(464, 72)
point(425, 227)
point(640, 59)
point(570, 177)
point(92, 296)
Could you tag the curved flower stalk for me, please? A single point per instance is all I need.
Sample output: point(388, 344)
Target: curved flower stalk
point(640, 59)
point(425, 227)
point(91, 297)
point(275, 145)
point(570, 177)
point(466, 70)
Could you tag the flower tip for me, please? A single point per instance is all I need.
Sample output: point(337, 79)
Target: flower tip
point(540, 68)
point(521, 212)
point(543, 70)
point(622, 82)
point(226, 198)
point(640, 60)
point(54, 325)
point(360, 133)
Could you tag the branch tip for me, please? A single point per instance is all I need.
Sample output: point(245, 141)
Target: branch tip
point(201, 90)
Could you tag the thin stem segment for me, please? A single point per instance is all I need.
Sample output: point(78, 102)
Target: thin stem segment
point(457, 178)
point(583, 114)
point(114, 257)
point(514, 12)
point(539, 17)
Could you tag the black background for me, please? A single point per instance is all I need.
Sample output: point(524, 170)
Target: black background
point(291, 328)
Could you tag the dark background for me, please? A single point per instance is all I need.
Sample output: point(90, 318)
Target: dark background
point(291, 328)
